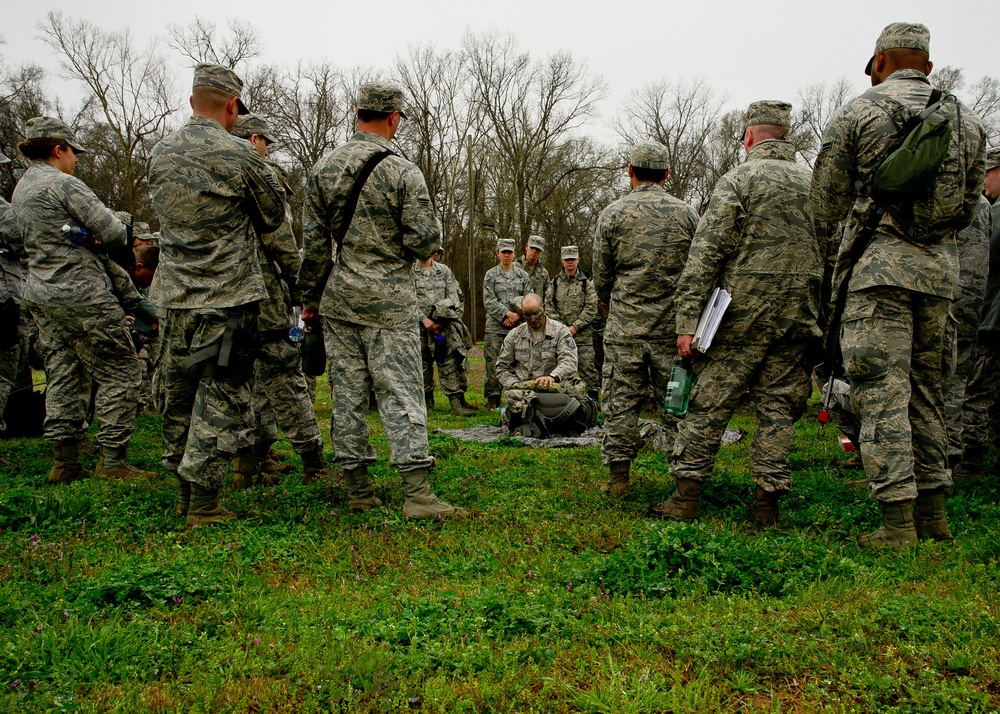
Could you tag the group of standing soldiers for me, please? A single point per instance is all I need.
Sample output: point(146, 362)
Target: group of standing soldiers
point(774, 235)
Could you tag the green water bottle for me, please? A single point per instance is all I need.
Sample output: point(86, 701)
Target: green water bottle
point(678, 388)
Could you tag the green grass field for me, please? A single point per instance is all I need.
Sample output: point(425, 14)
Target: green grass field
point(550, 598)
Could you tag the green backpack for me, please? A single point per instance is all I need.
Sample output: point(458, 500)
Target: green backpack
point(911, 167)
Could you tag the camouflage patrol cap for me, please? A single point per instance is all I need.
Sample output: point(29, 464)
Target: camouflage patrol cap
point(4, 159)
point(250, 124)
point(505, 244)
point(569, 252)
point(993, 158)
point(140, 228)
point(908, 35)
point(649, 155)
point(536, 242)
point(438, 249)
point(125, 217)
point(51, 128)
point(381, 97)
point(770, 112)
point(215, 75)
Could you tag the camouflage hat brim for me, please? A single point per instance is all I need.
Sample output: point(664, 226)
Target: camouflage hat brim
point(241, 107)
point(868, 67)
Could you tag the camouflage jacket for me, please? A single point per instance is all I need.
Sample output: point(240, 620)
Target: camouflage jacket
point(370, 282)
point(438, 292)
point(279, 265)
point(500, 288)
point(11, 268)
point(213, 195)
point(538, 275)
point(757, 241)
point(855, 142)
point(572, 300)
point(640, 247)
point(60, 273)
point(989, 325)
point(974, 262)
point(525, 355)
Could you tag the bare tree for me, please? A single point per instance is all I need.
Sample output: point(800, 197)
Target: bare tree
point(817, 105)
point(21, 98)
point(984, 99)
point(200, 41)
point(683, 116)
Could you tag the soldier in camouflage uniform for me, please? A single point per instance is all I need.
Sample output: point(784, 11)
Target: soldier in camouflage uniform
point(280, 394)
point(984, 384)
point(640, 247)
point(531, 263)
point(894, 334)
point(503, 287)
point(571, 299)
point(974, 263)
point(214, 195)
point(460, 358)
point(11, 290)
point(362, 284)
point(82, 329)
point(442, 339)
point(757, 241)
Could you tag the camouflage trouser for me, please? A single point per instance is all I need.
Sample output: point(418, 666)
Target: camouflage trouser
point(360, 358)
point(447, 363)
point(840, 411)
point(897, 350)
point(281, 398)
point(776, 379)
point(492, 343)
point(980, 397)
point(632, 370)
point(206, 420)
point(10, 361)
point(954, 393)
point(585, 368)
point(84, 345)
point(150, 358)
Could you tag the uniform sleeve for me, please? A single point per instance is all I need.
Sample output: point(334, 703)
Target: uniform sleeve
point(421, 227)
point(317, 242)
point(491, 301)
point(87, 209)
point(505, 362)
point(835, 169)
point(266, 196)
point(454, 293)
point(279, 247)
point(589, 312)
point(975, 174)
point(718, 235)
point(567, 357)
point(604, 259)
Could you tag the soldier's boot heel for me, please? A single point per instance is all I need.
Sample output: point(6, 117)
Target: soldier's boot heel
point(112, 465)
point(764, 509)
point(421, 503)
point(361, 496)
point(66, 466)
point(682, 505)
point(204, 508)
point(897, 531)
point(618, 483)
point(183, 497)
point(244, 472)
point(314, 466)
point(456, 406)
point(929, 518)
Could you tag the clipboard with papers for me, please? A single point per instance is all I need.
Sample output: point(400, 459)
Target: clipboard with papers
point(711, 318)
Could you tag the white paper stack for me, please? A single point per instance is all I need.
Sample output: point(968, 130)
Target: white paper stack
point(710, 320)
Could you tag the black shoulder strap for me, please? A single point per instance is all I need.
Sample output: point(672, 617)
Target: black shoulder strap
point(352, 200)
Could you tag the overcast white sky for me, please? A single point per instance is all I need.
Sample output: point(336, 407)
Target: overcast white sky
point(742, 56)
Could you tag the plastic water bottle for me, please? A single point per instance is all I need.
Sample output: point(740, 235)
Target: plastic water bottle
point(76, 234)
point(298, 333)
point(678, 389)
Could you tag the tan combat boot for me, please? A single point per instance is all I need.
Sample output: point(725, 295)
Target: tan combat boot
point(314, 467)
point(421, 503)
point(682, 505)
point(929, 518)
point(183, 497)
point(466, 405)
point(204, 509)
point(456, 406)
point(113, 465)
point(897, 529)
point(67, 462)
point(764, 509)
point(618, 478)
point(361, 496)
point(244, 472)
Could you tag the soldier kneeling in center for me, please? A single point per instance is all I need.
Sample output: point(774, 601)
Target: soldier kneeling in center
point(537, 368)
